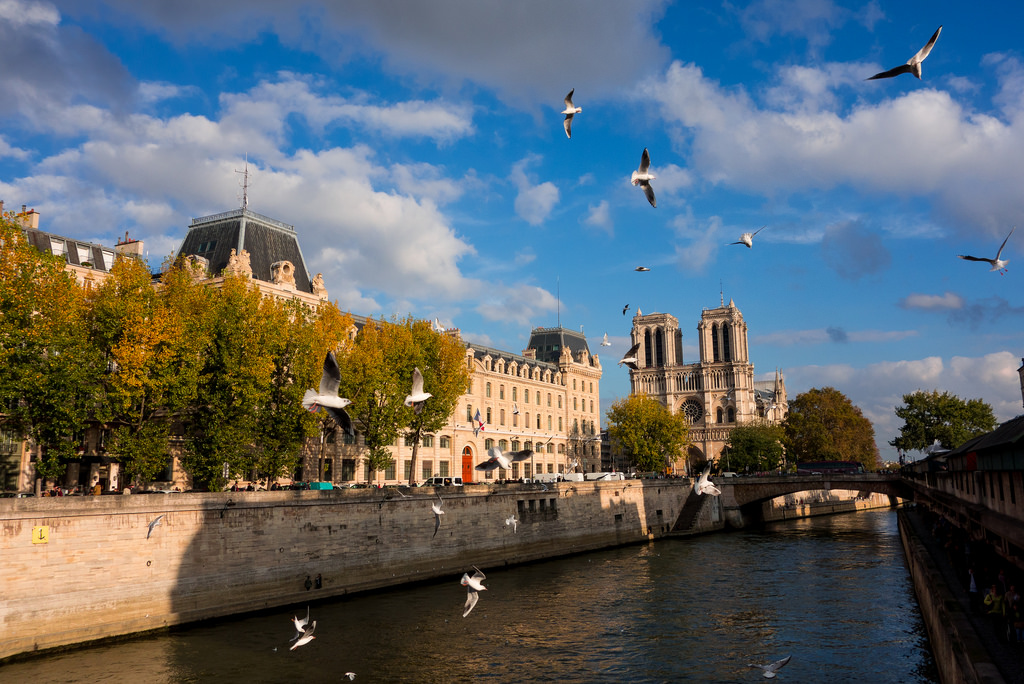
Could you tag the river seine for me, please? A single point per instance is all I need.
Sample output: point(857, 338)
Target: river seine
point(833, 592)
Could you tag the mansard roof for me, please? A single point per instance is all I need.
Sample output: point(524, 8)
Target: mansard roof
point(549, 342)
point(480, 352)
point(75, 252)
point(267, 241)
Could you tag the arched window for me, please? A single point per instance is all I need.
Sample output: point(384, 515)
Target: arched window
point(528, 446)
point(719, 415)
point(446, 443)
point(503, 444)
point(515, 445)
point(514, 393)
point(487, 391)
point(559, 401)
point(549, 399)
point(574, 405)
point(502, 417)
point(551, 448)
point(526, 396)
point(538, 421)
point(501, 391)
point(726, 347)
point(561, 448)
point(716, 352)
point(732, 415)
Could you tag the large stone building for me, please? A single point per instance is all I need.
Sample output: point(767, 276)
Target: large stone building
point(716, 393)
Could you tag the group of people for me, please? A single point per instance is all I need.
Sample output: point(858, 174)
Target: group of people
point(1002, 604)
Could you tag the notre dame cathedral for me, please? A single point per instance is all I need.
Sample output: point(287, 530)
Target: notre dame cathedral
point(716, 393)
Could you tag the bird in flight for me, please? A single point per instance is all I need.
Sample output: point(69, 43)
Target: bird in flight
point(418, 396)
point(435, 508)
point(913, 65)
point(630, 357)
point(643, 177)
point(307, 636)
point(475, 586)
point(570, 111)
point(300, 624)
point(511, 520)
point(605, 342)
point(625, 309)
point(641, 269)
point(770, 669)
point(503, 461)
point(438, 328)
point(327, 397)
point(997, 263)
point(154, 524)
point(704, 486)
point(748, 238)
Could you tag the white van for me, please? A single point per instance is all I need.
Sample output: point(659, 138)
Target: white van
point(573, 477)
point(605, 476)
point(547, 477)
point(443, 482)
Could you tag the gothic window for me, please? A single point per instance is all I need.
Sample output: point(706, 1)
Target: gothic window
point(732, 415)
point(693, 410)
point(726, 347)
point(719, 416)
point(647, 348)
point(659, 347)
point(717, 355)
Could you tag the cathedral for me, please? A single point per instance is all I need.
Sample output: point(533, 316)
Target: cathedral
point(716, 393)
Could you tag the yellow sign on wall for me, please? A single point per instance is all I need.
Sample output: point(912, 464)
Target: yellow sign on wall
point(41, 534)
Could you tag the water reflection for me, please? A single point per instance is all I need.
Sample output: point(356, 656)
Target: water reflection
point(832, 591)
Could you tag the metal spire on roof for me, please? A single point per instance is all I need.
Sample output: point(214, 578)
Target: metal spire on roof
point(245, 183)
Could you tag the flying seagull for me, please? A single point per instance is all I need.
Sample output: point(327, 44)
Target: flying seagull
point(570, 111)
point(155, 523)
point(913, 65)
point(350, 675)
point(436, 510)
point(641, 269)
point(643, 177)
point(307, 636)
point(748, 238)
point(327, 397)
point(630, 357)
point(503, 461)
point(997, 263)
point(605, 342)
point(515, 409)
point(770, 669)
point(625, 309)
point(475, 586)
point(438, 328)
point(418, 396)
point(704, 486)
point(511, 520)
point(300, 624)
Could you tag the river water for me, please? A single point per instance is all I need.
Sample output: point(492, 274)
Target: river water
point(833, 592)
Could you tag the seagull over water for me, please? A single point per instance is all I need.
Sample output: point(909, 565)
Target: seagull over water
point(748, 238)
point(605, 342)
point(307, 636)
point(436, 510)
point(913, 65)
point(770, 669)
point(997, 263)
point(630, 357)
point(570, 111)
point(511, 520)
point(300, 624)
point(418, 396)
point(704, 486)
point(327, 396)
point(475, 585)
point(643, 177)
point(155, 523)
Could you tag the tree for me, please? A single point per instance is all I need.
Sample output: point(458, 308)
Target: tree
point(446, 375)
point(930, 416)
point(823, 425)
point(755, 447)
point(648, 432)
point(49, 371)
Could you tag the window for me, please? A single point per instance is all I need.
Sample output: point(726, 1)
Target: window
point(503, 444)
point(407, 469)
point(538, 421)
point(559, 401)
point(488, 415)
point(515, 420)
point(428, 440)
point(559, 423)
point(574, 404)
point(409, 440)
point(446, 443)
point(551, 448)
point(719, 416)
point(526, 423)
point(443, 469)
point(591, 387)
point(469, 413)
point(348, 439)
point(487, 391)
point(488, 443)
point(501, 391)
point(549, 399)
point(501, 417)
point(427, 470)
point(591, 405)
point(528, 446)
point(549, 423)
point(526, 396)
point(561, 448)
point(389, 472)
point(515, 445)
point(514, 393)
point(732, 415)
point(538, 397)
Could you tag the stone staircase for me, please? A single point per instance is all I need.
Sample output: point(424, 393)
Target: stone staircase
point(690, 512)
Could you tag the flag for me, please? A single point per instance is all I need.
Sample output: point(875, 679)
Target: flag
point(479, 424)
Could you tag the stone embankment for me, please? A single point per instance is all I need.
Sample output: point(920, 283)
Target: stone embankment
point(79, 569)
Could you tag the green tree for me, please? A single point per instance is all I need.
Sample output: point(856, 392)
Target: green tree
point(823, 425)
point(930, 416)
point(755, 447)
point(647, 431)
point(446, 375)
point(49, 371)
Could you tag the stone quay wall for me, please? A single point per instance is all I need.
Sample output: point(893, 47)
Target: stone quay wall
point(837, 501)
point(79, 569)
point(959, 655)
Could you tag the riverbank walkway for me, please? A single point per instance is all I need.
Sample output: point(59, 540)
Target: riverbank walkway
point(1008, 657)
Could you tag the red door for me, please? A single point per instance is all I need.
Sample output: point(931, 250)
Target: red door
point(467, 465)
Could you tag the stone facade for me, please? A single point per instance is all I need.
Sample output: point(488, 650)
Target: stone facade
point(716, 393)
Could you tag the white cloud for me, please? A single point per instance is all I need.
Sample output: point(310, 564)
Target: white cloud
point(949, 300)
point(8, 150)
point(534, 202)
point(922, 143)
point(523, 305)
point(599, 216)
point(703, 241)
point(21, 14)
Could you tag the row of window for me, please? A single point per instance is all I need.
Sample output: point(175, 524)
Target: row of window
point(536, 394)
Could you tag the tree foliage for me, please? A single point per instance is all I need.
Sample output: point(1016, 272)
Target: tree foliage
point(930, 416)
point(755, 447)
point(647, 431)
point(823, 425)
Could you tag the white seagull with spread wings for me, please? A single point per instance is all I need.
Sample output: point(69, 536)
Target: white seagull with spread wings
point(630, 357)
point(418, 396)
point(705, 486)
point(475, 586)
point(570, 111)
point(748, 238)
point(327, 397)
point(503, 461)
point(997, 263)
point(643, 177)
point(770, 669)
point(913, 65)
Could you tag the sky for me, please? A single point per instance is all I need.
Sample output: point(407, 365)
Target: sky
point(418, 149)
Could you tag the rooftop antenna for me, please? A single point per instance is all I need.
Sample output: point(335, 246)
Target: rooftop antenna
point(245, 183)
point(721, 292)
point(558, 302)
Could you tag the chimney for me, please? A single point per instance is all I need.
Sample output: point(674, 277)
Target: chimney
point(28, 218)
point(129, 247)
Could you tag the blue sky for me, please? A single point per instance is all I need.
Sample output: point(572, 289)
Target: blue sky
point(418, 150)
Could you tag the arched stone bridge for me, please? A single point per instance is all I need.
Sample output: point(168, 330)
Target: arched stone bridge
point(742, 496)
